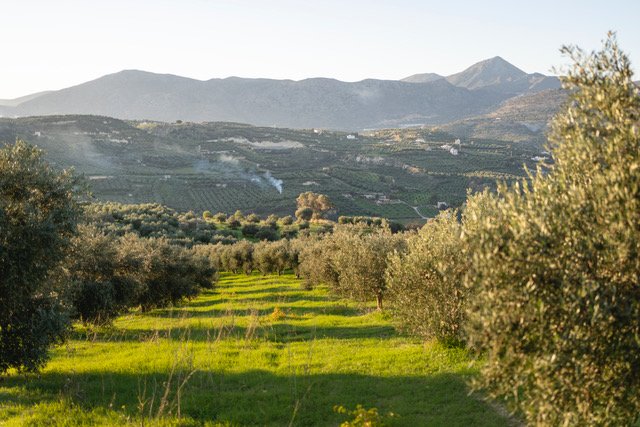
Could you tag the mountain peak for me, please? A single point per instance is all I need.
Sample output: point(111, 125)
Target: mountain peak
point(498, 63)
point(496, 59)
point(491, 71)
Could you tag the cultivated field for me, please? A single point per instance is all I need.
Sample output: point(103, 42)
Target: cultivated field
point(229, 166)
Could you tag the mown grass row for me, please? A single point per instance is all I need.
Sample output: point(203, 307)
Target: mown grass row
point(259, 350)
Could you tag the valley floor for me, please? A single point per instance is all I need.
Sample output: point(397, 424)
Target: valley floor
point(254, 351)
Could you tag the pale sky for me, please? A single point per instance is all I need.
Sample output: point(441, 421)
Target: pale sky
point(48, 44)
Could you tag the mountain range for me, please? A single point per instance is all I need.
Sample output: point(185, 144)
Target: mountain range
point(421, 99)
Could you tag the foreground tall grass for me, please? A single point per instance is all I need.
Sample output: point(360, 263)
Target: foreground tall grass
point(258, 350)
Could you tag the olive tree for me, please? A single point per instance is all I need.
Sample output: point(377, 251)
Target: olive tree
point(99, 293)
point(273, 257)
point(38, 217)
point(361, 260)
point(555, 267)
point(312, 204)
point(315, 264)
point(426, 284)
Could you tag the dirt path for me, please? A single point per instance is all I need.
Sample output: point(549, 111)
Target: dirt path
point(415, 208)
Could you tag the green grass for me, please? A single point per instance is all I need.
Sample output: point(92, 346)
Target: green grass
point(223, 359)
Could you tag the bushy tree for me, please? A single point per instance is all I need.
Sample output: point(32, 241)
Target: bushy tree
point(361, 260)
point(273, 257)
point(237, 257)
point(38, 217)
point(263, 258)
point(111, 274)
point(315, 263)
point(425, 285)
point(102, 286)
point(213, 252)
point(272, 221)
point(238, 215)
point(233, 222)
point(556, 265)
point(250, 229)
point(286, 220)
point(150, 220)
point(252, 218)
point(295, 247)
point(220, 217)
point(267, 233)
point(304, 214)
point(319, 204)
point(170, 273)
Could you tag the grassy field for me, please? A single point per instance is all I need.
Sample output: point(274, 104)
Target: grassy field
point(255, 351)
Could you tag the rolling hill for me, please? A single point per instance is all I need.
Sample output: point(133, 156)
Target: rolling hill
point(17, 101)
point(523, 118)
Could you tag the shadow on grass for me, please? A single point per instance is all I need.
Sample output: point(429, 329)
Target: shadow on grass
point(260, 397)
point(264, 289)
point(215, 312)
point(277, 332)
point(278, 299)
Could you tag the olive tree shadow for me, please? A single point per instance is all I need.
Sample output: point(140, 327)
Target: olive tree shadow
point(260, 397)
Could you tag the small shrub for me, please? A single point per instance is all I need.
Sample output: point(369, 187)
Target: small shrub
point(277, 314)
point(362, 417)
point(250, 229)
point(286, 220)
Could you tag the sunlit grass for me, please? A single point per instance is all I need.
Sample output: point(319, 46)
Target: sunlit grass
point(225, 359)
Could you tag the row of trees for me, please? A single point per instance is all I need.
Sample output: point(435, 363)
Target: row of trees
point(62, 258)
point(151, 220)
point(53, 269)
point(244, 256)
point(542, 277)
point(188, 229)
point(109, 274)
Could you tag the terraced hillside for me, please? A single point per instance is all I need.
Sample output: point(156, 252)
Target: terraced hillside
point(398, 173)
point(258, 350)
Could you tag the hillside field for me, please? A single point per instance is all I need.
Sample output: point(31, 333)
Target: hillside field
point(257, 350)
point(400, 174)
